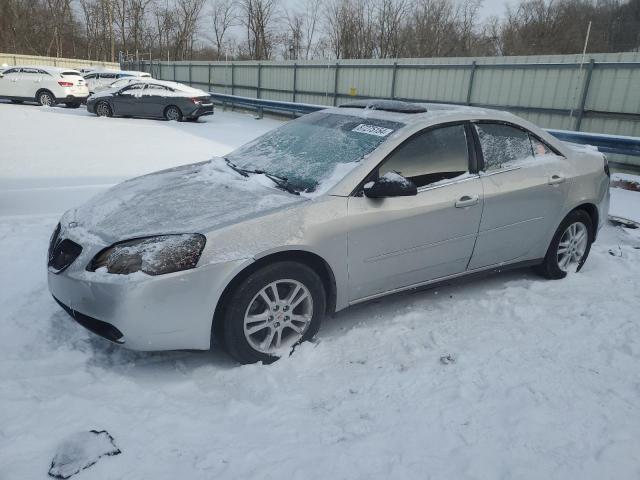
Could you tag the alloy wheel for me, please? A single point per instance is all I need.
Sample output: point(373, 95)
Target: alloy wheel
point(46, 100)
point(278, 316)
point(172, 113)
point(572, 246)
point(103, 110)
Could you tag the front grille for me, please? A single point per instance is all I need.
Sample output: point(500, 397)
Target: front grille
point(104, 329)
point(62, 253)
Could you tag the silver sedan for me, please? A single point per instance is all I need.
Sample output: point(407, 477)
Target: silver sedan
point(338, 207)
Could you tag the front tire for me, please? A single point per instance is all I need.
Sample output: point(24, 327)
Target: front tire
point(172, 113)
point(46, 98)
point(569, 247)
point(272, 310)
point(103, 109)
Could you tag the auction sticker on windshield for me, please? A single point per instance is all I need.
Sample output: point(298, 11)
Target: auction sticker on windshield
point(372, 130)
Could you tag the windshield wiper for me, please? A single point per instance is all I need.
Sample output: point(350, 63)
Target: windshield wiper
point(281, 182)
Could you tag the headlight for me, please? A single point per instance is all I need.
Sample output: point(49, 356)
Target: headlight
point(151, 255)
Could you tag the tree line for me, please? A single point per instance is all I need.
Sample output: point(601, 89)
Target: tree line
point(269, 29)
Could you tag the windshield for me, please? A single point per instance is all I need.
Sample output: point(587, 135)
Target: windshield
point(314, 148)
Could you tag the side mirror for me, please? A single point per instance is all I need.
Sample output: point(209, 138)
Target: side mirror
point(391, 184)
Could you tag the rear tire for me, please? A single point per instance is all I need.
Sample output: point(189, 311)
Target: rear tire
point(569, 247)
point(292, 317)
point(103, 109)
point(46, 98)
point(172, 113)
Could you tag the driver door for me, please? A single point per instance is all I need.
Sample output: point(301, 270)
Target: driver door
point(127, 101)
point(394, 243)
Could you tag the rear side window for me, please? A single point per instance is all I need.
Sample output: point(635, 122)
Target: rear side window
point(502, 144)
point(108, 75)
point(431, 156)
point(34, 71)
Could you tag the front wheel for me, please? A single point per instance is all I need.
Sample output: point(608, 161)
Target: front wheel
point(103, 109)
point(272, 310)
point(173, 113)
point(569, 247)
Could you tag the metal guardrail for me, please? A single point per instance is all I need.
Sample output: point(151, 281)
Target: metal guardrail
point(605, 143)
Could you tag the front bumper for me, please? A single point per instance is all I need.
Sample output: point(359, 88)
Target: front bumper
point(141, 312)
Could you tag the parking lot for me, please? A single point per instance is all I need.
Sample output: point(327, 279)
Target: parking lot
point(507, 376)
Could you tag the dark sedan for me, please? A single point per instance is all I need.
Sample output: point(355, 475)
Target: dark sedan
point(152, 99)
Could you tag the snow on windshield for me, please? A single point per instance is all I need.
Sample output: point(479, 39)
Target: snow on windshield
point(315, 151)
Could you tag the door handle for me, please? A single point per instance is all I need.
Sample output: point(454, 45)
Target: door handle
point(467, 201)
point(556, 179)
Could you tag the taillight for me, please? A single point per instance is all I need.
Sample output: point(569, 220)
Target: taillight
point(197, 101)
point(606, 166)
point(65, 84)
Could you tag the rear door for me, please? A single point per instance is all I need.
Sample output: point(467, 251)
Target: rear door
point(525, 186)
point(30, 81)
point(402, 241)
point(155, 99)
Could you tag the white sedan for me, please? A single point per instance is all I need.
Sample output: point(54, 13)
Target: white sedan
point(45, 85)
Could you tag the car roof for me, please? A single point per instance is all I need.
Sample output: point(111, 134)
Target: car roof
point(417, 113)
point(47, 68)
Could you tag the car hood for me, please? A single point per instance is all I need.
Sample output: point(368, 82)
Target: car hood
point(194, 198)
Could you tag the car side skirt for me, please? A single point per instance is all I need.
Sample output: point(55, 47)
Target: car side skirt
point(458, 277)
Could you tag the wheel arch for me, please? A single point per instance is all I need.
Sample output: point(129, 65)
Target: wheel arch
point(591, 210)
point(305, 257)
point(44, 89)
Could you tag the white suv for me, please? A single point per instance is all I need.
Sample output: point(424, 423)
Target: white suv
point(45, 85)
point(96, 81)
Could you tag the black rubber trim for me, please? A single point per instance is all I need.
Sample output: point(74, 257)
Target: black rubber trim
point(103, 329)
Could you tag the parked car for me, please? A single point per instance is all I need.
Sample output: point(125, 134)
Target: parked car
point(118, 84)
point(45, 85)
point(104, 78)
point(333, 209)
point(152, 99)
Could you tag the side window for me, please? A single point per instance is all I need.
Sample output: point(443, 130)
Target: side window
point(431, 156)
point(31, 71)
point(136, 88)
point(11, 71)
point(91, 76)
point(502, 144)
point(108, 76)
point(539, 148)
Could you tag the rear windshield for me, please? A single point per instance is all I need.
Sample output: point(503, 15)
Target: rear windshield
point(71, 74)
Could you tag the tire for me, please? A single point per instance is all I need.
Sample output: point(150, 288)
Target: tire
point(72, 105)
point(172, 113)
point(103, 109)
point(572, 241)
point(46, 98)
point(17, 101)
point(271, 323)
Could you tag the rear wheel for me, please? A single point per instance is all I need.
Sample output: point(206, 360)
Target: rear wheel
point(272, 310)
point(172, 113)
point(46, 98)
point(103, 109)
point(569, 247)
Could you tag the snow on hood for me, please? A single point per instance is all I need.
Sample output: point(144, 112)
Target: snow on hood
point(190, 199)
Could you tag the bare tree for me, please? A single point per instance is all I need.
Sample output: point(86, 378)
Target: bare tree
point(258, 19)
point(223, 16)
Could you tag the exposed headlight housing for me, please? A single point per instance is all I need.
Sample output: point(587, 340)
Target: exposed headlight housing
point(151, 255)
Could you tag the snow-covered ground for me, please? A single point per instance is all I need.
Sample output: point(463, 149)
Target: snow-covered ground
point(508, 376)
